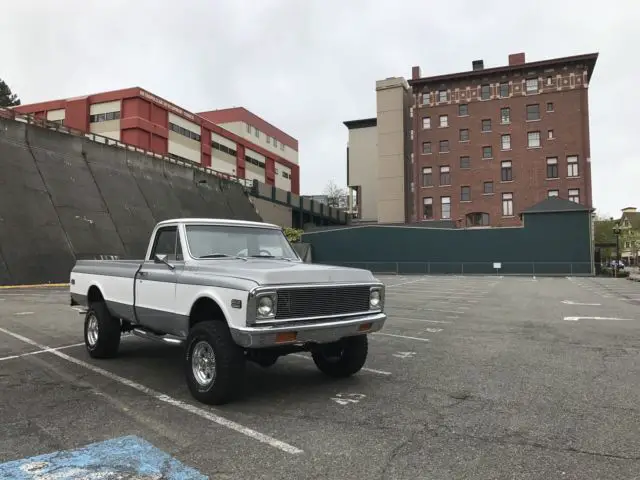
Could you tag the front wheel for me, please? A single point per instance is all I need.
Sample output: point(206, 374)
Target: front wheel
point(214, 364)
point(344, 358)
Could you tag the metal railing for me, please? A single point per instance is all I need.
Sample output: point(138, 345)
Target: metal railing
point(472, 268)
point(94, 137)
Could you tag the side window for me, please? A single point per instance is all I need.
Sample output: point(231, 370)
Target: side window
point(167, 242)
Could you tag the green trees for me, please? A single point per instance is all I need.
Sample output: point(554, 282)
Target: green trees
point(7, 98)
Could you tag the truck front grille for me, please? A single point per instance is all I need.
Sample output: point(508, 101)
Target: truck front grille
point(321, 301)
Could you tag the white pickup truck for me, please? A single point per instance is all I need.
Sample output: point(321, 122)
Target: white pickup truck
point(229, 291)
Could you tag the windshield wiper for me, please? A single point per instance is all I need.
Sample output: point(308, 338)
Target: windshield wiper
point(222, 255)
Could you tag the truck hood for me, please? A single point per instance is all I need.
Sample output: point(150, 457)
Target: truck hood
point(278, 272)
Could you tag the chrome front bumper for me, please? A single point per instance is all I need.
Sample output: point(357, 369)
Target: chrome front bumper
point(323, 332)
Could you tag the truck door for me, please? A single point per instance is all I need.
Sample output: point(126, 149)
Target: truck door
point(155, 284)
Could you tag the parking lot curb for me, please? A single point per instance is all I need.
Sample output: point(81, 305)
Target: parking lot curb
point(39, 285)
point(634, 278)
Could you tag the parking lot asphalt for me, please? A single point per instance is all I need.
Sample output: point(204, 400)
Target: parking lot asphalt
point(472, 377)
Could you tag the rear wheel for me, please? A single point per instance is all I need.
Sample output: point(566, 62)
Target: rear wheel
point(343, 358)
point(214, 364)
point(101, 332)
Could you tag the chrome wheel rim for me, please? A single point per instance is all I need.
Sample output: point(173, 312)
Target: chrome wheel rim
point(92, 331)
point(203, 364)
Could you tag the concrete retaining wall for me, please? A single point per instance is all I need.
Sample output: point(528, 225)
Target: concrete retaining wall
point(64, 198)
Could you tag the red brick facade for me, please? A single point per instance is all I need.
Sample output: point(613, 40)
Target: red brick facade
point(557, 110)
point(144, 123)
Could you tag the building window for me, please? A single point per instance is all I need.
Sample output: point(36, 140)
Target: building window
point(549, 80)
point(425, 98)
point(488, 187)
point(486, 125)
point(552, 193)
point(465, 193)
point(256, 132)
point(485, 92)
point(504, 90)
point(550, 134)
point(426, 122)
point(464, 134)
point(506, 171)
point(572, 166)
point(445, 206)
point(532, 85)
point(463, 110)
point(184, 132)
point(223, 148)
point(477, 219)
point(445, 175)
point(427, 179)
point(268, 139)
point(574, 195)
point(426, 148)
point(533, 112)
point(427, 208)
point(533, 139)
point(549, 106)
point(444, 146)
point(248, 128)
point(505, 115)
point(552, 167)
point(254, 161)
point(104, 117)
point(465, 162)
point(487, 152)
point(275, 142)
point(443, 96)
point(507, 204)
point(444, 120)
point(505, 142)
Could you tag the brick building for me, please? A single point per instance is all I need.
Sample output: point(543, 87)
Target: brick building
point(232, 141)
point(490, 142)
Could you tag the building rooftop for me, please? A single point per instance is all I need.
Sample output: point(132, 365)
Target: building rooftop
point(362, 123)
point(516, 63)
point(556, 205)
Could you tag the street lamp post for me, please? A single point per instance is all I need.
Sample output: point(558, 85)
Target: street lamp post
point(616, 232)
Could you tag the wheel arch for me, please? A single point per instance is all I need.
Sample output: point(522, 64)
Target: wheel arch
point(206, 308)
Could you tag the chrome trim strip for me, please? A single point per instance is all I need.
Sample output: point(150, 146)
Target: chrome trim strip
point(314, 326)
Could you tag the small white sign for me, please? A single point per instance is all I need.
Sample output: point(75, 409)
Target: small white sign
point(497, 265)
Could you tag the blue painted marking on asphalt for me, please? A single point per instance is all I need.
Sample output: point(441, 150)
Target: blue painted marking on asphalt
point(130, 458)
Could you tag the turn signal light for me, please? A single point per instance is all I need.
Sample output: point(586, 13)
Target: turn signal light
point(364, 327)
point(286, 337)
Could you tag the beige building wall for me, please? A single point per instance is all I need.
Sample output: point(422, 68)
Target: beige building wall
point(255, 136)
point(393, 101)
point(180, 144)
point(363, 169)
point(106, 128)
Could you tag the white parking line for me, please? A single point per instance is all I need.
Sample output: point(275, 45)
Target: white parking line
point(11, 357)
point(405, 283)
point(166, 398)
point(379, 372)
point(402, 336)
point(24, 313)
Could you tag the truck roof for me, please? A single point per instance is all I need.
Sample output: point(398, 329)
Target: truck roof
point(218, 221)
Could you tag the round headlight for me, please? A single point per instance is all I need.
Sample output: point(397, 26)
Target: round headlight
point(374, 300)
point(265, 305)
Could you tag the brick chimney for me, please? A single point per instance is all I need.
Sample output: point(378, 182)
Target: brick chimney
point(516, 59)
point(415, 73)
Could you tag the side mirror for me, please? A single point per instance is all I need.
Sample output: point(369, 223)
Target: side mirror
point(162, 259)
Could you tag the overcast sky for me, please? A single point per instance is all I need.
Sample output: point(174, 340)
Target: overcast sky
point(306, 65)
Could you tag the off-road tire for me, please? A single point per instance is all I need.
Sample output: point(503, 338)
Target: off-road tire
point(229, 363)
point(108, 331)
point(351, 359)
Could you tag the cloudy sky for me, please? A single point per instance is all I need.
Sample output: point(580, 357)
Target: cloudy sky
point(307, 65)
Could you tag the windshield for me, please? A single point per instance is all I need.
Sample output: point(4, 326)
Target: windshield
point(219, 241)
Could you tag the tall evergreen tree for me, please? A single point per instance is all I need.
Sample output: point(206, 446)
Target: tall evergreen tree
point(7, 99)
